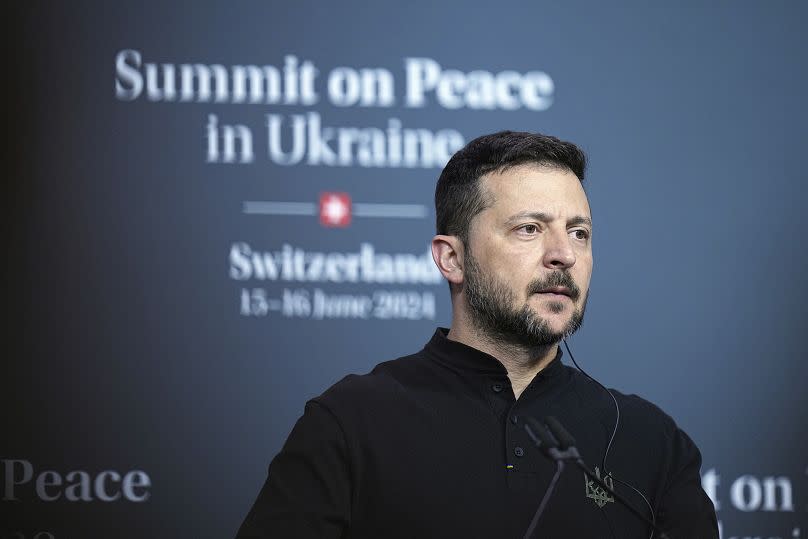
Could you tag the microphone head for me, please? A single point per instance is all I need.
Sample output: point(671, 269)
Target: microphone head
point(541, 436)
point(565, 439)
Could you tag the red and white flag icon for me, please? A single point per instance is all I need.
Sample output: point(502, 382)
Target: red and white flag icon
point(335, 209)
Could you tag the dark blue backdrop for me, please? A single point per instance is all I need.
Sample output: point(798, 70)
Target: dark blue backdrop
point(145, 362)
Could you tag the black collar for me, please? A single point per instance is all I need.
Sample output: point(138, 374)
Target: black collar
point(466, 359)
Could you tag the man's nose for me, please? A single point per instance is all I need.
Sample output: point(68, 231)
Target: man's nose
point(558, 253)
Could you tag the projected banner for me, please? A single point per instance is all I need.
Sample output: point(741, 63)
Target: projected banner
point(218, 214)
point(303, 138)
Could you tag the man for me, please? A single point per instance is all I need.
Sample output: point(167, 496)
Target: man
point(433, 444)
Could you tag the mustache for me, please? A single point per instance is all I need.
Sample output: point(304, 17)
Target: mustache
point(557, 278)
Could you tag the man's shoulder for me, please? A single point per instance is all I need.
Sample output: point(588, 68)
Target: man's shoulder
point(645, 416)
point(639, 412)
point(383, 382)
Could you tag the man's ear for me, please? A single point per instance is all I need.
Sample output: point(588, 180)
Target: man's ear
point(447, 251)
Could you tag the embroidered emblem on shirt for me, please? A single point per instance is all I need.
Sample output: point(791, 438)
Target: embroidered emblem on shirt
point(596, 492)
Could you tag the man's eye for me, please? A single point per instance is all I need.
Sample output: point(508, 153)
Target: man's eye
point(529, 229)
point(580, 234)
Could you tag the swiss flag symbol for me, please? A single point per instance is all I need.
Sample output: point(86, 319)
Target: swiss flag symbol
point(335, 209)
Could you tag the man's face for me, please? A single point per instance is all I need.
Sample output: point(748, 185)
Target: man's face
point(528, 262)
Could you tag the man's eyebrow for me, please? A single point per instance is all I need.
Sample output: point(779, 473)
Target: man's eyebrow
point(580, 220)
point(544, 217)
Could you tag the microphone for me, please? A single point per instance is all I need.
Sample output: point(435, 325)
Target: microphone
point(565, 439)
point(551, 448)
point(559, 445)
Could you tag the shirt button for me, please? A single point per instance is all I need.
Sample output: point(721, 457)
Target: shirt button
point(518, 451)
point(514, 419)
point(497, 388)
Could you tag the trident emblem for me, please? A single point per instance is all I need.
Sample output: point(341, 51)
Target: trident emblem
point(596, 492)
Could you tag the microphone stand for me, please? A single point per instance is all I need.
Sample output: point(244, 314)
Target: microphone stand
point(545, 499)
point(566, 451)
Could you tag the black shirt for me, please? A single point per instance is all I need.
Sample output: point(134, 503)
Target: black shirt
point(433, 445)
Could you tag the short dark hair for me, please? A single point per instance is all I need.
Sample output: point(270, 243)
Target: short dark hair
point(458, 197)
